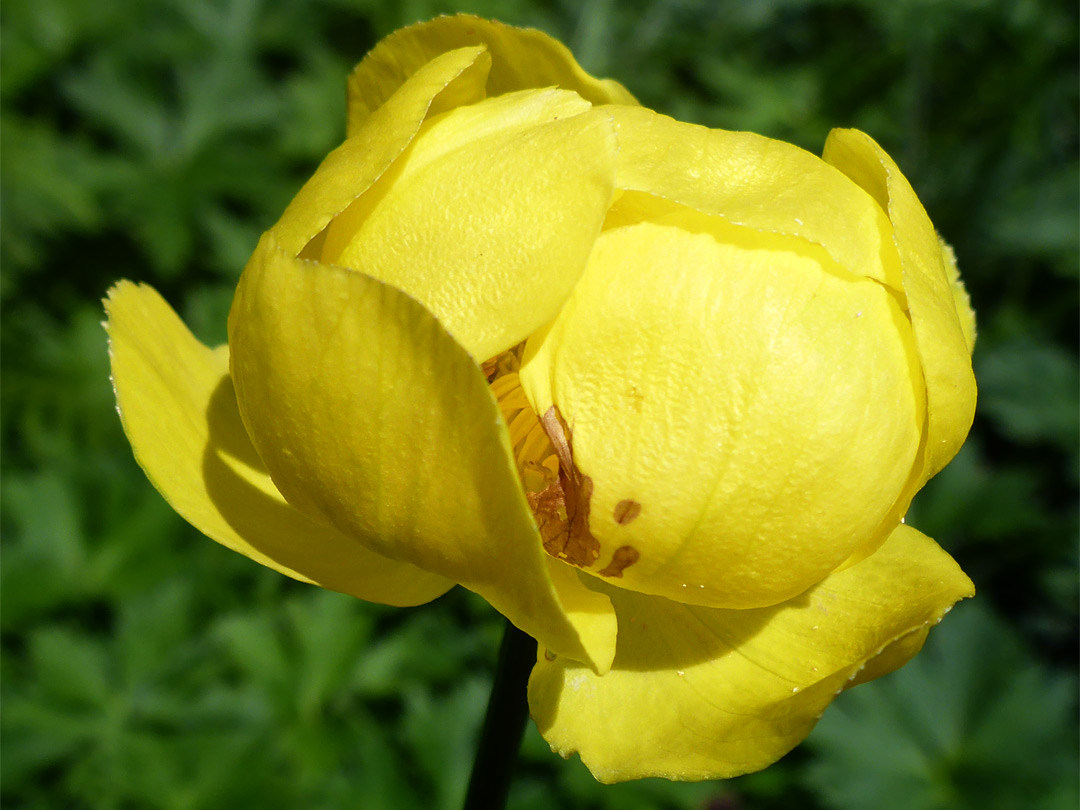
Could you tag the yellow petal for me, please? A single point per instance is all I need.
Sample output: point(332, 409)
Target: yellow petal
point(490, 217)
point(756, 182)
point(758, 412)
point(939, 335)
point(892, 657)
point(178, 408)
point(522, 58)
point(370, 417)
point(960, 295)
point(353, 167)
point(590, 611)
point(699, 693)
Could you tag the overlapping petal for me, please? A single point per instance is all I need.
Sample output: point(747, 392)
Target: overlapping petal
point(523, 59)
point(699, 693)
point(351, 169)
point(758, 412)
point(759, 183)
point(178, 408)
point(369, 416)
point(939, 336)
point(490, 215)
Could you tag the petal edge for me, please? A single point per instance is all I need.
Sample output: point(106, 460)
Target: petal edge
point(698, 693)
point(178, 409)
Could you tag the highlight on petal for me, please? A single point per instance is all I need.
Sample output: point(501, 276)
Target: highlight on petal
point(682, 367)
point(759, 183)
point(698, 693)
point(179, 411)
point(370, 417)
point(523, 58)
point(491, 215)
point(351, 169)
point(939, 334)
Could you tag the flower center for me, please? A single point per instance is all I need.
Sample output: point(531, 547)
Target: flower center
point(537, 462)
point(556, 491)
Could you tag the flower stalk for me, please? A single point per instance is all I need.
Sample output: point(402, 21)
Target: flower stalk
point(504, 723)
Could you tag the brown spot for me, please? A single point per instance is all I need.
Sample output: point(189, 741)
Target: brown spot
point(549, 655)
point(625, 511)
point(562, 509)
point(623, 558)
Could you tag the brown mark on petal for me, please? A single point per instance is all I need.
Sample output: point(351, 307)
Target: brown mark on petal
point(623, 558)
point(562, 509)
point(627, 510)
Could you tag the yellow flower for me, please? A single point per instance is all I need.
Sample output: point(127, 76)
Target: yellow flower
point(660, 394)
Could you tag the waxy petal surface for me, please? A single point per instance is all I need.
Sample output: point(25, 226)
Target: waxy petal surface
point(178, 408)
point(371, 417)
point(522, 59)
point(352, 168)
point(698, 693)
point(939, 336)
point(758, 413)
point(491, 217)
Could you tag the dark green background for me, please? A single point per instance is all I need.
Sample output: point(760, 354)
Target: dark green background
point(145, 667)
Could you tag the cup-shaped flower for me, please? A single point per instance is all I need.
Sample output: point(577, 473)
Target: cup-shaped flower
point(660, 394)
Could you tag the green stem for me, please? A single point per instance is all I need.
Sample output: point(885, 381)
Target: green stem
point(504, 723)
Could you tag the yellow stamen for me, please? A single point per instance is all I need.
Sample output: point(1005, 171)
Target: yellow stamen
point(534, 454)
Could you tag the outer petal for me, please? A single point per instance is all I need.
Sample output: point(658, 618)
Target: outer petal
point(353, 167)
point(939, 336)
point(699, 693)
point(370, 416)
point(590, 611)
point(757, 412)
point(491, 215)
point(760, 183)
point(178, 408)
point(891, 658)
point(523, 58)
point(960, 295)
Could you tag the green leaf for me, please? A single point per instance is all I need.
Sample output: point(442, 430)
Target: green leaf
point(971, 722)
point(1031, 390)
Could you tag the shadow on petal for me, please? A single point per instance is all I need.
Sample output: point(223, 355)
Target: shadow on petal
point(277, 534)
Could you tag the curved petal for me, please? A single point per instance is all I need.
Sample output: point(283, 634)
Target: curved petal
point(523, 58)
point(756, 182)
point(177, 405)
point(698, 693)
point(891, 658)
point(759, 413)
point(352, 168)
point(939, 336)
point(370, 417)
point(491, 217)
point(590, 611)
point(960, 295)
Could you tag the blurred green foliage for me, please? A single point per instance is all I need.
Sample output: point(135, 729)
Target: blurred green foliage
point(143, 666)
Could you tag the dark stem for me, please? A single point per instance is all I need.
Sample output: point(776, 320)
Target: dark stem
point(504, 723)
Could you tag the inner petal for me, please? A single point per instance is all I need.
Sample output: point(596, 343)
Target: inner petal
point(742, 418)
point(489, 217)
